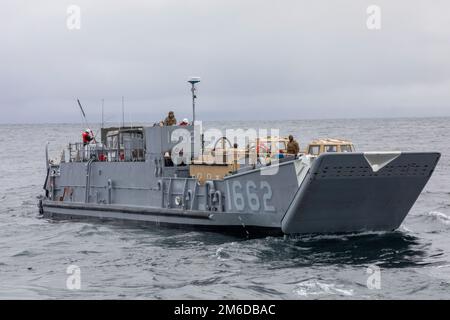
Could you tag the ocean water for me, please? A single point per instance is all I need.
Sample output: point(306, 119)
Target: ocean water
point(122, 262)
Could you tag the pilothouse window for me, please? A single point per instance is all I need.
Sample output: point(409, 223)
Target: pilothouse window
point(112, 142)
point(314, 150)
point(346, 148)
point(125, 145)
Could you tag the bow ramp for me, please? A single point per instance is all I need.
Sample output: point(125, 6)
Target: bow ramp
point(351, 192)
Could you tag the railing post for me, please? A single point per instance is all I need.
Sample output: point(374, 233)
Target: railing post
point(109, 191)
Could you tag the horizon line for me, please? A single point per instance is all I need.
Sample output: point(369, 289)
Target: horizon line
point(252, 120)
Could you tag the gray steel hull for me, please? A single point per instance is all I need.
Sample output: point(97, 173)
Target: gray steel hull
point(147, 217)
point(335, 193)
point(341, 194)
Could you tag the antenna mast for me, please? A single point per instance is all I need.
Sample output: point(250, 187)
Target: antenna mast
point(103, 113)
point(123, 113)
point(193, 81)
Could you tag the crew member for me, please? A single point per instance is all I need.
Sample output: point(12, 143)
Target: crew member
point(87, 136)
point(235, 155)
point(167, 159)
point(170, 119)
point(292, 147)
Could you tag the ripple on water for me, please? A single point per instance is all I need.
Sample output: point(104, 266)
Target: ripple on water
point(439, 217)
point(24, 253)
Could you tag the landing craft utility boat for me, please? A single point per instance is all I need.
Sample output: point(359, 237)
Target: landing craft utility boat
point(133, 176)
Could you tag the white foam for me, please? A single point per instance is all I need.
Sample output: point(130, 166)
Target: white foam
point(221, 254)
point(402, 228)
point(442, 217)
point(314, 288)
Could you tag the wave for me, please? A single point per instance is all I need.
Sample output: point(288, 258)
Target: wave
point(439, 216)
point(24, 253)
point(221, 254)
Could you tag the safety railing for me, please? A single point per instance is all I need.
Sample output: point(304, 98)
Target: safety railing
point(79, 152)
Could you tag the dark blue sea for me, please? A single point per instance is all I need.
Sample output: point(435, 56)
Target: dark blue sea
point(120, 262)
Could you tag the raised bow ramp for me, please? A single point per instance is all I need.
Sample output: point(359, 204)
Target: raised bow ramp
point(352, 192)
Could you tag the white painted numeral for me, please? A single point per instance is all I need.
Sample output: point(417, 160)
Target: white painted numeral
point(238, 197)
point(251, 195)
point(253, 199)
point(267, 196)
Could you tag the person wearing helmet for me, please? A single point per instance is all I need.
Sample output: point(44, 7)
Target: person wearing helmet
point(170, 119)
point(87, 136)
point(185, 122)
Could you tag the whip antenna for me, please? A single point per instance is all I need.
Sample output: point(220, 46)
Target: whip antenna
point(82, 111)
point(84, 117)
point(123, 113)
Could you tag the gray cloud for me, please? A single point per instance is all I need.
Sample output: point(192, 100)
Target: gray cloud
point(264, 59)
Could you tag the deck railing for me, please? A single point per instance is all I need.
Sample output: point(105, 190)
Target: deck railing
point(79, 152)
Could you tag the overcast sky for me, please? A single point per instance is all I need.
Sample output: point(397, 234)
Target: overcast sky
point(258, 59)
